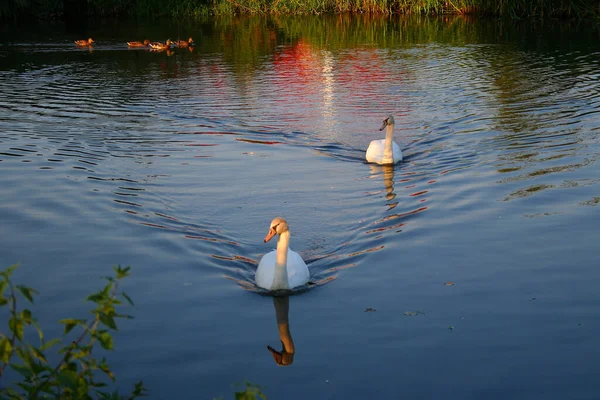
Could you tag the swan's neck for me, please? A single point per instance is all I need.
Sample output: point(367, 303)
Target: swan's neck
point(388, 152)
point(280, 278)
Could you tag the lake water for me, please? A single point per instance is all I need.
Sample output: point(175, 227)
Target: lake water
point(467, 271)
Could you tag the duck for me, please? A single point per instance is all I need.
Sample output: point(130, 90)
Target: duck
point(145, 43)
point(161, 46)
point(184, 43)
point(84, 42)
point(281, 269)
point(385, 151)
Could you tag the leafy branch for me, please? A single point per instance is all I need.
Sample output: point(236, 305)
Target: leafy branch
point(75, 375)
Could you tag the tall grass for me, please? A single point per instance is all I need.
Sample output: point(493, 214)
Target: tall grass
point(198, 8)
point(511, 8)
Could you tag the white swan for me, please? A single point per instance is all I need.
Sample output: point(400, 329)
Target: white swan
point(281, 268)
point(385, 151)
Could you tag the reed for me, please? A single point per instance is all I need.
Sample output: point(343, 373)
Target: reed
point(510, 8)
point(198, 8)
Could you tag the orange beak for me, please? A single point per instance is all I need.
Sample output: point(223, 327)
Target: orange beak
point(270, 235)
point(384, 125)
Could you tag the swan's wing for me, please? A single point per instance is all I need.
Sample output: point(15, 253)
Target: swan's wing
point(375, 150)
point(265, 271)
point(396, 152)
point(298, 273)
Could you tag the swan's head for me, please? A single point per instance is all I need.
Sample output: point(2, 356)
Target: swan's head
point(282, 357)
point(389, 121)
point(278, 226)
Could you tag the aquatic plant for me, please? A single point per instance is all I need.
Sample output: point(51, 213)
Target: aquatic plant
point(75, 376)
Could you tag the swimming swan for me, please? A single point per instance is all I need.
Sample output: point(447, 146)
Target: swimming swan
point(281, 268)
point(385, 151)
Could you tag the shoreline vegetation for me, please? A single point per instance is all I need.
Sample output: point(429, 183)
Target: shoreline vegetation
point(514, 9)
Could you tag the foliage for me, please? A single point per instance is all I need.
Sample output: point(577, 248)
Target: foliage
point(511, 8)
point(199, 8)
point(250, 392)
point(75, 376)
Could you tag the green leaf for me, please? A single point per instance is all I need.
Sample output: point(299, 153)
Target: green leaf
point(67, 378)
point(39, 330)
point(24, 352)
point(49, 344)
point(23, 370)
point(109, 321)
point(26, 291)
point(104, 368)
point(5, 350)
point(101, 295)
point(16, 326)
point(26, 316)
point(3, 286)
point(9, 270)
point(70, 324)
point(128, 298)
point(39, 354)
point(26, 386)
point(122, 272)
point(139, 390)
point(105, 339)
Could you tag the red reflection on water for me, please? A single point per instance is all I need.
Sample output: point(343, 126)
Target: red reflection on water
point(325, 280)
point(394, 216)
point(366, 251)
point(244, 284)
point(128, 203)
point(334, 269)
point(154, 225)
point(419, 193)
point(386, 228)
point(215, 240)
point(296, 62)
point(433, 181)
point(246, 259)
point(208, 133)
point(166, 216)
point(257, 141)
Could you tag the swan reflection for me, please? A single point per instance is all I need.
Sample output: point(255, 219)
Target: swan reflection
point(388, 182)
point(286, 355)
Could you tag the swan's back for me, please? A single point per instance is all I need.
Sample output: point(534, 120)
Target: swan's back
point(297, 270)
point(375, 152)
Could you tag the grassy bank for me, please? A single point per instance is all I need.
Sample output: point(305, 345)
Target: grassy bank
point(511, 8)
point(55, 9)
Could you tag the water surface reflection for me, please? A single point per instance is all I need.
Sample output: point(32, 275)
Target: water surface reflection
point(174, 162)
point(285, 356)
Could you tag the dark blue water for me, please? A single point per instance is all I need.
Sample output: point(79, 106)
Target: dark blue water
point(467, 271)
